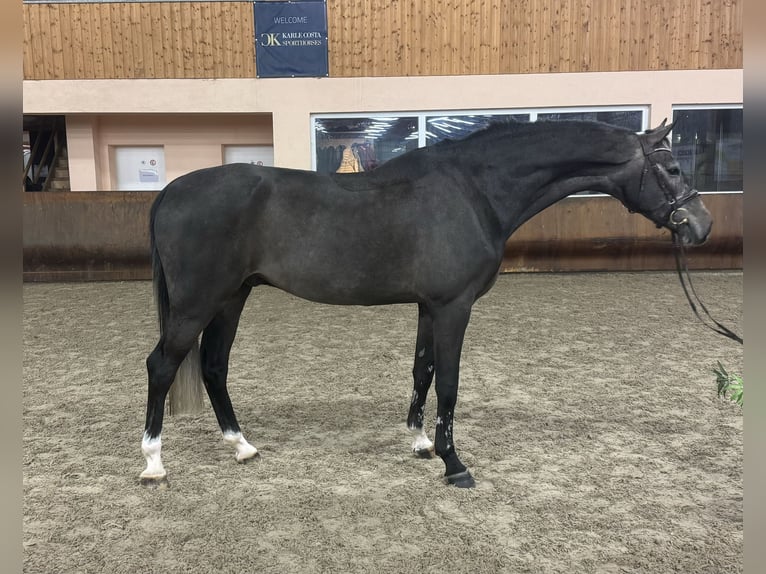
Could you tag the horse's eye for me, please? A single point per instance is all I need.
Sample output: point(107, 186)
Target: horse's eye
point(674, 170)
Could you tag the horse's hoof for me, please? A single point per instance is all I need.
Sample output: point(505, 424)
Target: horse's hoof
point(253, 457)
point(424, 452)
point(461, 480)
point(158, 482)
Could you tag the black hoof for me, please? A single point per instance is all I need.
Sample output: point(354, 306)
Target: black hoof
point(424, 453)
point(461, 480)
point(256, 457)
point(151, 482)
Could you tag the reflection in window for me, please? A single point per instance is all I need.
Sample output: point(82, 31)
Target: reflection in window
point(630, 119)
point(360, 144)
point(439, 128)
point(708, 145)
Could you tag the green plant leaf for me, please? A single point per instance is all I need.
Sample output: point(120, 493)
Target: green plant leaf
point(730, 385)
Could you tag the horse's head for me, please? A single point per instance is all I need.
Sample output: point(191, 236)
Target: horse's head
point(662, 194)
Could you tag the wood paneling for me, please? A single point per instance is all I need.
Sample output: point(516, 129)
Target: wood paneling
point(139, 40)
point(74, 236)
point(387, 37)
point(596, 234)
point(434, 37)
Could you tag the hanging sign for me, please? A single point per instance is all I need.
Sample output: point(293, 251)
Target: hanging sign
point(290, 39)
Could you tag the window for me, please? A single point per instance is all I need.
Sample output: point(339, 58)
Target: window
point(439, 128)
point(631, 119)
point(708, 144)
point(352, 144)
point(349, 142)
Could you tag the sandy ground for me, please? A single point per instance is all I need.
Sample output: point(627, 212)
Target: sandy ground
point(587, 413)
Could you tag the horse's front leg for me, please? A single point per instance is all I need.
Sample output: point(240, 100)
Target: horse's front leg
point(423, 374)
point(450, 323)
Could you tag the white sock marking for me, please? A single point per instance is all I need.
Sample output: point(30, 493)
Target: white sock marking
point(151, 448)
point(244, 449)
point(421, 441)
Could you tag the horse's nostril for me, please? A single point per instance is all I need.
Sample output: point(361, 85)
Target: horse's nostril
point(701, 235)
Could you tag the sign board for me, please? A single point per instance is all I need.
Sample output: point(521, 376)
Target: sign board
point(139, 168)
point(290, 39)
point(253, 154)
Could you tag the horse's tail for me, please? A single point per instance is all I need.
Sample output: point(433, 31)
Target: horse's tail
point(186, 392)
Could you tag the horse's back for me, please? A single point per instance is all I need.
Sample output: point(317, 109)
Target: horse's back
point(340, 240)
point(281, 224)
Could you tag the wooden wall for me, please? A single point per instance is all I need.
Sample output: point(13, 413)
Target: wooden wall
point(596, 234)
point(139, 40)
point(387, 37)
point(440, 37)
point(575, 234)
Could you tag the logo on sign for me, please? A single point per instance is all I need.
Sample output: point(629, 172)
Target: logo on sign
point(270, 40)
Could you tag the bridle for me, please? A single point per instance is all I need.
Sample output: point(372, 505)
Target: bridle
point(675, 205)
point(675, 218)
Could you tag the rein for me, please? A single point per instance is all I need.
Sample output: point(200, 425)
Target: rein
point(680, 256)
point(676, 208)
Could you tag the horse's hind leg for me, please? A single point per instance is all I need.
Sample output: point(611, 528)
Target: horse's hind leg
point(217, 340)
point(162, 365)
point(423, 374)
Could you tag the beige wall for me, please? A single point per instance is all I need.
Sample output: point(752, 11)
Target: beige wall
point(190, 141)
point(101, 112)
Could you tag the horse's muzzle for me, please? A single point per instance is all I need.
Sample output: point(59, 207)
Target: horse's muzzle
point(692, 222)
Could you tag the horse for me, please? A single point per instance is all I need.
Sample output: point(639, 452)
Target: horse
point(428, 227)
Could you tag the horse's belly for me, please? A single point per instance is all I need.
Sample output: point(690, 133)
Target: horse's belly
point(341, 287)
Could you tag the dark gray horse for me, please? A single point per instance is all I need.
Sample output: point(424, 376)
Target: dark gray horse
point(428, 227)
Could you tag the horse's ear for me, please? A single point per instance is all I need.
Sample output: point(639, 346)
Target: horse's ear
point(659, 133)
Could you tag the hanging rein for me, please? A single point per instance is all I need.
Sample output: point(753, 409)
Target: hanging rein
point(675, 218)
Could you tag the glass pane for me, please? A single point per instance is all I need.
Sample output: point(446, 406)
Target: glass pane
point(361, 144)
point(439, 128)
point(630, 119)
point(708, 145)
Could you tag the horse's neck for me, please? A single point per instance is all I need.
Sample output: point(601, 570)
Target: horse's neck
point(520, 187)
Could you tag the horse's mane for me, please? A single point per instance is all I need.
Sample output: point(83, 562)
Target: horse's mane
point(587, 139)
point(542, 129)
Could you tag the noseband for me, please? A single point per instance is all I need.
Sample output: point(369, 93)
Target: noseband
point(676, 210)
